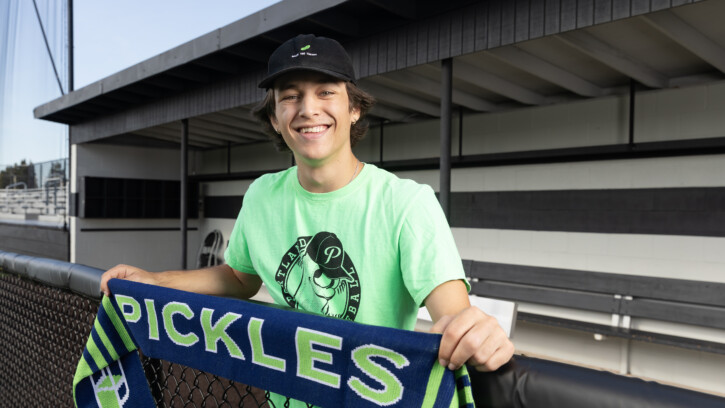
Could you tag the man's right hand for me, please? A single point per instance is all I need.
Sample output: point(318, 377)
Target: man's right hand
point(126, 272)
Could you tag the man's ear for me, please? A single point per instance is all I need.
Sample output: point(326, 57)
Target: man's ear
point(354, 114)
point(274, 122)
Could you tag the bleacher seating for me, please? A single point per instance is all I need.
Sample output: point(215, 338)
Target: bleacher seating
point(49, 201)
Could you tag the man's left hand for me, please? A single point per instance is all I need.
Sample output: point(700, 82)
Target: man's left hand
point(472, 337)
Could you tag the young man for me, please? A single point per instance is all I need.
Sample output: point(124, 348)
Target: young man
point(334, 235)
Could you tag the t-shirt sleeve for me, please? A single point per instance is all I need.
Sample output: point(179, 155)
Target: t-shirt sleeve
point(237, 253)
point(428, 253)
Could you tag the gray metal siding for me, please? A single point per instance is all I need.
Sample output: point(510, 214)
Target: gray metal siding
point(485, 26)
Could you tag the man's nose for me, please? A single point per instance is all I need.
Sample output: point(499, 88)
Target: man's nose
point(309, 106)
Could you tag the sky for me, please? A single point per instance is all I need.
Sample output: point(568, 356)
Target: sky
point(109, 36)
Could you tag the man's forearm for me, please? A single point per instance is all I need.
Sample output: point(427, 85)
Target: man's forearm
point(219, 280)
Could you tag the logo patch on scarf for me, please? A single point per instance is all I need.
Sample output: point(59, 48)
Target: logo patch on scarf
point(317, 275)
point(111, 387)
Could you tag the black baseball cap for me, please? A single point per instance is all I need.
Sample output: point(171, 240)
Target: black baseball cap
point(312, 53)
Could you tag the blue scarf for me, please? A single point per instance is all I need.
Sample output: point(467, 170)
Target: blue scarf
point(319, 360)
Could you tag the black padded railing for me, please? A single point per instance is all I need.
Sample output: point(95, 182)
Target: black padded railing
point(47, 309)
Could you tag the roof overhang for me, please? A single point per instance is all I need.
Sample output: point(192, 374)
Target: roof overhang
point(505, 55)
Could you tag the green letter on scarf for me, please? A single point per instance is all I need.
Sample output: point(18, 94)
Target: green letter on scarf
point(392, 390)
point(183, 309)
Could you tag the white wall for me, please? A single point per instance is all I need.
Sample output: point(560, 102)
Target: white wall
point(152, 250)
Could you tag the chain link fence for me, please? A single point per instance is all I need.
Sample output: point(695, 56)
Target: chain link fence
point(35, 176)
point(43, 331)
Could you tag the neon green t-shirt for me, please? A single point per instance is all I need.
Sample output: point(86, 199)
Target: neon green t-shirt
point(371, 251)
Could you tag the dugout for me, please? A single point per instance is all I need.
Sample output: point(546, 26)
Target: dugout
point(585, 138)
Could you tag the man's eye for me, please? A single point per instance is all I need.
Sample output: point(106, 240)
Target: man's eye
point(327, 93)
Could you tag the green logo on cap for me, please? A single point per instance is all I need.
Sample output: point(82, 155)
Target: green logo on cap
point(306, 47)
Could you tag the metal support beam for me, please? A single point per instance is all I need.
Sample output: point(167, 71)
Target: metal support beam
point(405, 82)
point(71, 84)
point(69, 166)
point(614, 58)
point(493, 83)
point(229, 157)
point(445, 155)
point(401, 99)
point(460, 132)
point(184, 176)
point(688, 36)
point(382, 135)
point(632, 85)
point(545, 70)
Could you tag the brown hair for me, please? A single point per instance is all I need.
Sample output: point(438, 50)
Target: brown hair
point(358, 98)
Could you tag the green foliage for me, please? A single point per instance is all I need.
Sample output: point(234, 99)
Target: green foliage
point(16, 173)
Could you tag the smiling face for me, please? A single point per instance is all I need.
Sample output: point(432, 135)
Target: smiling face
point(313, 114)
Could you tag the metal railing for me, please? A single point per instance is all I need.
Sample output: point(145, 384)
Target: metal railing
point(47, 308)
point(34, 175)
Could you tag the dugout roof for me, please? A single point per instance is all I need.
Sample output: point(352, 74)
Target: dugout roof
point(506, 55)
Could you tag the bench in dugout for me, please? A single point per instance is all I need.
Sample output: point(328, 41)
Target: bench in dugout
point(622, 296)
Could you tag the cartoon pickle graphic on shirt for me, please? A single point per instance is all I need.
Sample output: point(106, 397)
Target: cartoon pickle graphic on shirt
point(317, 275)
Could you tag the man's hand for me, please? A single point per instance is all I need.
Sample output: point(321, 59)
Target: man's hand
point(469, 335)
point(126, 272)
point(474, 337)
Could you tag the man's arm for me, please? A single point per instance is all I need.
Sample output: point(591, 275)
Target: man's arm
point(469, 335)
point(220, 280)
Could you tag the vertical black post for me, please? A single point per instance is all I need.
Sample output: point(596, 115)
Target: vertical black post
point(229, 157)
point(68, 166)
point(632, 85)
point(460, 132)
point(382, 127)
point(184, 193)
point(70, 46)
point(445, 159)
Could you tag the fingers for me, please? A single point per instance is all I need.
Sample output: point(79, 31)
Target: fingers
point(118, 272)
point(473, 337)
point(441, 324)
point(489, 360)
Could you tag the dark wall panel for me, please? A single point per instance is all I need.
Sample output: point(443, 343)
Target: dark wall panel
point(522, 21)
point(585, 13)
point(222, 206)
point(536, 23)
point(106, 197)
point(602, 11)
point(675, 211)
point(567, 18)
point(640, 7)
point(551, 17)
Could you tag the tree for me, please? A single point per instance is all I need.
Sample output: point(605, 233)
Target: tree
point(17, 173)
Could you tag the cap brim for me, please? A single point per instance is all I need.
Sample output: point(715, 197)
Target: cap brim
point(268, 82)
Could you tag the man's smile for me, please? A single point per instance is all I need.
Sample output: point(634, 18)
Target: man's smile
point(312, 132)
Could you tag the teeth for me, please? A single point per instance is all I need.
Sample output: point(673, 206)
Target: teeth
point(312, 129)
